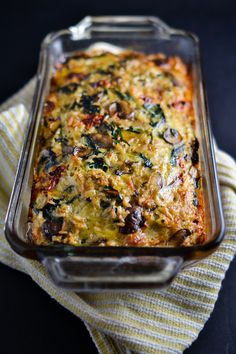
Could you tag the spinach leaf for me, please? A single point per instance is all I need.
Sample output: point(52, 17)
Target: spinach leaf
point(195, 200)
point(104, 204)
point(156, 114)
point(175, 153)
point(98, 163)
point(49, 209)
point(112, 193)
point(87, 102)
point(71, 200)
point(69, 189)
point(48, 159)
point(71, 106)
point(146, 161)
point(197, 183)
point(116, 133)
point(68, 89)
point(62, 140)
point(102, 71)
point(134, 130)
point(123, 95)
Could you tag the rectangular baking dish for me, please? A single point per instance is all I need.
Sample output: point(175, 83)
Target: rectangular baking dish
point(94, 268)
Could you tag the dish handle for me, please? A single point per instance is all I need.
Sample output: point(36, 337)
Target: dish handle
point(122, 25)
point(101, 273)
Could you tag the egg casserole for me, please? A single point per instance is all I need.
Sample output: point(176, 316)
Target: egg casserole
point(117, 161)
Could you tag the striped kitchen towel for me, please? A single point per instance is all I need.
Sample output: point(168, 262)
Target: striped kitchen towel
point(166, 321)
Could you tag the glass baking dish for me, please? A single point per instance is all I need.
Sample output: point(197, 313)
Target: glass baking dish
point(94, 268)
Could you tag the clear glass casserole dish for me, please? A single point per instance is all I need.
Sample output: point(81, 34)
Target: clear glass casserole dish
point(91, 267)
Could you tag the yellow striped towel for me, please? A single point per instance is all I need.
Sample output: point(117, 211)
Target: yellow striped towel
point(166, 321)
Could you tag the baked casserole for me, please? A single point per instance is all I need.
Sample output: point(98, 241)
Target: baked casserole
point(117, 160)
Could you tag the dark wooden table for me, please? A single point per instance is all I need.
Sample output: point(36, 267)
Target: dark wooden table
point(31, 322)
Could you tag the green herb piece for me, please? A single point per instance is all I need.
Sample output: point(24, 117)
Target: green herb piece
point(48, 159)
point(197, 182)
point(156, 114)
point(62, 140)
point(49, 209)
point(175, 153)
point(71, 106)
point(87, 102)
point(98, 163)
point(104, 204)
point(112, 193)
point(146, 161)
point(195, 200)
point(103, 71)
point(123, 95)
point(90, 142)
point(68, 89)
point(134, 130)
point(69, 189)
point(116, 133)
point(72, 199)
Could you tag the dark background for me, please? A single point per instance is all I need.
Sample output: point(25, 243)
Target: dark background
point(31, 322)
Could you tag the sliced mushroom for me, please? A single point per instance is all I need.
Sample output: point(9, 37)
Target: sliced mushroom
point(193, 172)
point(158, 178)
point(133, 221)
point(122, 109)
point(102, 140)
point(172, 136)
point(178, 237)
point(113, 108)
point(82, 151)
point(49, 106)
point(67, 150)
point(52, 227)
point(103, 128)
point(125, 169)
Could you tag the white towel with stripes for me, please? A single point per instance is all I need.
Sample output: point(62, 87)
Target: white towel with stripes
point(150, 322)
